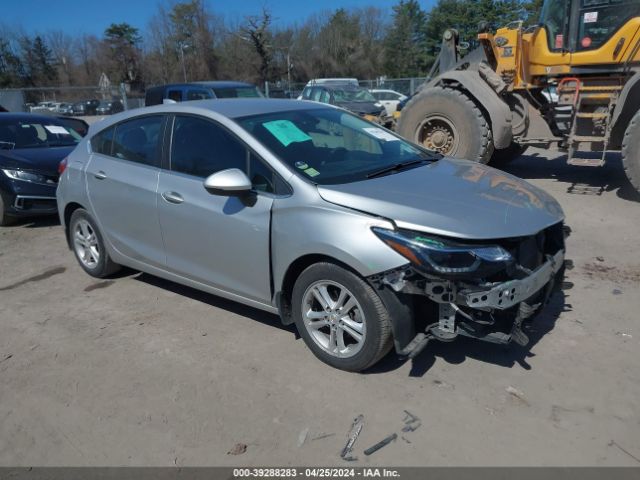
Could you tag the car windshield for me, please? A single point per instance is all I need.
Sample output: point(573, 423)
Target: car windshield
point(352, 95)
point(237, 92)
point(34, 134)
point(330, 146)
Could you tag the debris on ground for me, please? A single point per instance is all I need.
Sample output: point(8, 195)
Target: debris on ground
point(616, 291)
point(320, 436)
point(238, 449)
point(354, 432)
point(411, 427)
point(382, 443)
point(600, 259)
point(405, 439)
point(514, 392)
point(303, 437)
point(7, 357)
point(613, 443)
point(624, 335)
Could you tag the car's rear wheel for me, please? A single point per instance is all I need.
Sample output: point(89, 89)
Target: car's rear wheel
point(340, 317)
point(88, 245)
point(5, 219)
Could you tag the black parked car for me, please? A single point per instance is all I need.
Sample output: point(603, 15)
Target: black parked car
point(182, 92)
point(350, 97)
point(31, 150)
point(85, 107)
point(109, 107)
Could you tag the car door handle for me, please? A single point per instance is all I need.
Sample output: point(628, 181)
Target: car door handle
point(100, 175)
point(173, 197)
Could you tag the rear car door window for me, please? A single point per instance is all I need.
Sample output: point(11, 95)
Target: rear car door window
point(138, 140)
point(175, 95)
point(198, 95)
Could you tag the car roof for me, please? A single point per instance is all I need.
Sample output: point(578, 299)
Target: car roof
point(30, 117)
point(228, 107)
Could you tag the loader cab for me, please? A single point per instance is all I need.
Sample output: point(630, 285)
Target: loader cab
point(591, 32)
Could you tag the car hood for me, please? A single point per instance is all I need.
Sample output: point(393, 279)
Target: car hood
point(44, 160)
point(453, 198)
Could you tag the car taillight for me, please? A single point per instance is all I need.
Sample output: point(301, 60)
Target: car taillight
point(62, 166)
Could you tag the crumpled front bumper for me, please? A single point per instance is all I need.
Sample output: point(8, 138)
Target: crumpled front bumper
point(506, 295)
point(492, 312)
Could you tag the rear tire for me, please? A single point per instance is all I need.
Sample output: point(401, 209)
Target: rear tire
point(631, 151)
point(331, 303)
point(449, 122)
point(5, 219)
point(504, 156)
point(88, 245)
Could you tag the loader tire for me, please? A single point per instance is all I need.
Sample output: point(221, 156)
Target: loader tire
point(631, 151)
point(449, 122)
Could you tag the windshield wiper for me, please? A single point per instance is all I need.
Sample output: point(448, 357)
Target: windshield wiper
point(396, 167)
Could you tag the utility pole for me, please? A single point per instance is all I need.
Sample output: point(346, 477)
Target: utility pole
point(184, 69)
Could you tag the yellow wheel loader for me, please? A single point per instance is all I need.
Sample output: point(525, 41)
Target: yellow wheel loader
point(572, 80)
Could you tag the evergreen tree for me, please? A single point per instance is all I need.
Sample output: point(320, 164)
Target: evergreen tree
point(406, 44)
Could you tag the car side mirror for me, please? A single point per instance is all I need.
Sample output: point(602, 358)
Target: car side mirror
point(230, 182)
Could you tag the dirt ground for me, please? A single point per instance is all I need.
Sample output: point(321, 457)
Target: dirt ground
point(140, 371)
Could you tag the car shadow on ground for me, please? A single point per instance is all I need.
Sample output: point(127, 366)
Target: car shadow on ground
point(37, 222)
point(462, 348)
point(454, 353)
point(579, 180)
point(230, 306)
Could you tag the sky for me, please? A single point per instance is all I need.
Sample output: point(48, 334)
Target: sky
point(93, 16)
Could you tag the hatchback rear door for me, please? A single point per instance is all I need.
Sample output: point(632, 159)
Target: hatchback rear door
point(122, 181)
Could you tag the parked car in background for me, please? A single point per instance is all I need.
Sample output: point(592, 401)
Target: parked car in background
point(109, 107)
point(182, 92)
point(65, 109)
point(78, 108)
point(350, 97)
point(363, 240)
point(31, 148)
point(389, 99)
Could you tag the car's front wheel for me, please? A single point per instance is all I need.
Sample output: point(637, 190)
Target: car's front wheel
point(340, 317)
point(88, 245)
point(5, 219)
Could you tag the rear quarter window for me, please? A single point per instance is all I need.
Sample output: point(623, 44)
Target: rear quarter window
point(102, 142)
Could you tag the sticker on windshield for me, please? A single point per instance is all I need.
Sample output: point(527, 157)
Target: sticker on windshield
point(312, 172)
point(590, 17)
point(381, 134)
point(57, 129)
point(286, 132)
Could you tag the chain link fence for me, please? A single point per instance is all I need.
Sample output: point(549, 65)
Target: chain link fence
point(63, 100)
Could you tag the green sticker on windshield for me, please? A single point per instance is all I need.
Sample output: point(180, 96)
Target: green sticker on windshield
point(312, 172)
point(286, 132)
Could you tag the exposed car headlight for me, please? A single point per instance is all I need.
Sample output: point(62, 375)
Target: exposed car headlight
point(438, 256)
point(28, 177)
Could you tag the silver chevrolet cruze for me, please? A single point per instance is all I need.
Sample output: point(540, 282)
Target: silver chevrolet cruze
point(363, 240)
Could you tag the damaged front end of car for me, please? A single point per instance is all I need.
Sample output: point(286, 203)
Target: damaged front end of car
point(480, 289)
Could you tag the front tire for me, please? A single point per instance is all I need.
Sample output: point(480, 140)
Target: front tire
point(340, 317)
point(631, 151)
point(5, 219)
point(449, 122)
point(88, 245)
